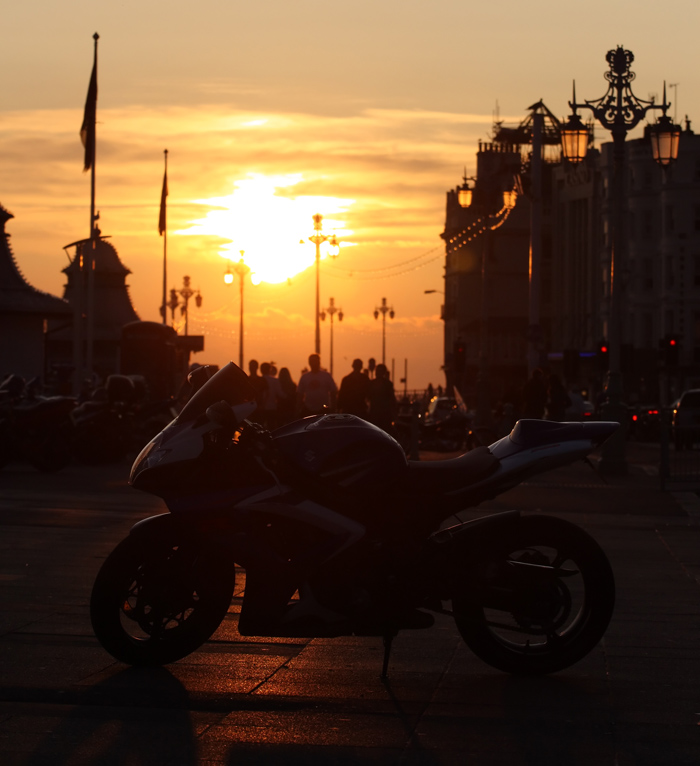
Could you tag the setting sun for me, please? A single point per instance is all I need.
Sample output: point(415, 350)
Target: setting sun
point(270, 226)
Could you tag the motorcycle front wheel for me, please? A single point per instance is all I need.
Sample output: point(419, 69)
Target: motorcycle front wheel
point(543, 598)
point(155, 602)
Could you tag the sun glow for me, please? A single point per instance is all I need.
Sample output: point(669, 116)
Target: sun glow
point(271, 229)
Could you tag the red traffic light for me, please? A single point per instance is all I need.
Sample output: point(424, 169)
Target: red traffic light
point(671, 341)
point(603, 349)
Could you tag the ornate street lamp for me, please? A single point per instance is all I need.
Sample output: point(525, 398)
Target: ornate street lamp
point(665, 138)
point(241, 269)
point(384, 310)
point(331, 311)
point(510, 197)
point(619, 111)
point(575, 138)
point(318, 238)
point(186, 292)
point(465, 193)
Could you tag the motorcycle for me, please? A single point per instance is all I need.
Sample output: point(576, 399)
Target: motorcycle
point(104, 425)
point(339, 534)
point(34, 429)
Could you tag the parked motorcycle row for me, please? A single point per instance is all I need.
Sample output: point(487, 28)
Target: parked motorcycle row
point(50, 432)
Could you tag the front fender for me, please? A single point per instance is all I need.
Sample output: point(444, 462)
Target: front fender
point(165, 529)
point(154, 527)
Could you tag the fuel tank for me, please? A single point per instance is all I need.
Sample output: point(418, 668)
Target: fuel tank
point(342, 450)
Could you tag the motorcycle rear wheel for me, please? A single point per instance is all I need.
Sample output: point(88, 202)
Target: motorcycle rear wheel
point(155, 602)
point(559, 597)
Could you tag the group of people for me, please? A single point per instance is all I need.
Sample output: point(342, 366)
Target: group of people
point(281, 400)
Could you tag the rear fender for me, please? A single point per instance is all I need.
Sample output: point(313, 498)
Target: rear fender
point(470, 533)
point(454, 553)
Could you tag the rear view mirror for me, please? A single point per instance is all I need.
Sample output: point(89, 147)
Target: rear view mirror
point(222, 414)
point(199, 376)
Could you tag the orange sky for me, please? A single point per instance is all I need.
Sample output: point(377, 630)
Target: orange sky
point(365, 113)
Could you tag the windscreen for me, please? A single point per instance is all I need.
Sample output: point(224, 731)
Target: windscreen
point(230, 384)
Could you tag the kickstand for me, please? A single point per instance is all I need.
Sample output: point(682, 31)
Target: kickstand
point(388, 638)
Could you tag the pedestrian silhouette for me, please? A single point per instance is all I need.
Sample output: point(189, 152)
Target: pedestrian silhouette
point(557, 399)
point(316, 389)
point(270, 397)
point(535, 395)
point(354, 391)
point(286, 409)
point(382, 400)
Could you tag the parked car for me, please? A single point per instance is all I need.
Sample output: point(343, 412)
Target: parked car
point(646, 422)
point(685, 423)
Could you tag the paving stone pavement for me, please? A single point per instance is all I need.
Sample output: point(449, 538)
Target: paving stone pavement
point(634, 700)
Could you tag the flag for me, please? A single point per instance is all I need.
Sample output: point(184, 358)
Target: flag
point(87, 129)
point(163, 195)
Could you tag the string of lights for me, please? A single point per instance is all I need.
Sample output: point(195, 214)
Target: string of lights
point(393, 266)
point(458, 241)
point(355, 275)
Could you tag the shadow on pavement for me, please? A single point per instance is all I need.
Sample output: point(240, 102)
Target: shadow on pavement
point(150, 724)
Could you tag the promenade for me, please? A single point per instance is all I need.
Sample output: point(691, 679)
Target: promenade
point(634, 700)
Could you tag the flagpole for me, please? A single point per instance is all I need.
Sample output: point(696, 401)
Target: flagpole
point(163, 225)
point(90, 264)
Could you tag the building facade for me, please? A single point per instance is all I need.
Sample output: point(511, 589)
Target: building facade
point(112, 307)
point(24, 316)
point(487, 280)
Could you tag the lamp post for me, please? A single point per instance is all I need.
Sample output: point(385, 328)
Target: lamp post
point(186, 292)
point(619, 111)
point(331, 311)
point(318, 238)
point(384, 310)
point(241, 269)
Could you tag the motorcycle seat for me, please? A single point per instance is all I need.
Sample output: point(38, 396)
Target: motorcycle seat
point(533, 433)
point(447, 475)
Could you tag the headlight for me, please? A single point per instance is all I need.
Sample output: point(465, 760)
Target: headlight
point(147, 458)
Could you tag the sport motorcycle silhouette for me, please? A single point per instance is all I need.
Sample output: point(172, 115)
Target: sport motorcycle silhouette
point(339, 534)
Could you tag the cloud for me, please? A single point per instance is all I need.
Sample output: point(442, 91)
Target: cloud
point(387, 170)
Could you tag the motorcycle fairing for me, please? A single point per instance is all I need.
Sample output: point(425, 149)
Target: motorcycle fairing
point(177, 443)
